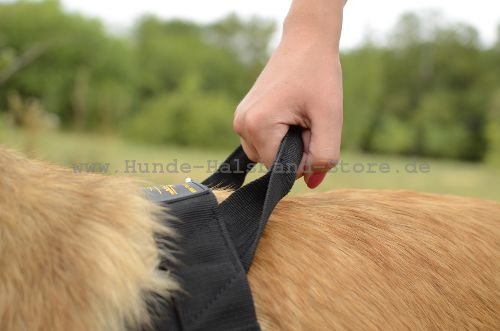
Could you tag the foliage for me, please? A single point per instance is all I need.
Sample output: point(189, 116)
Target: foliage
point(188, 116)
point(431, 90)
point(78, 55)
point(427, 92)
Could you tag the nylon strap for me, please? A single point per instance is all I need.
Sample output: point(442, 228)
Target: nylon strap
point(246, 212)
point(215, 243)
point(232, 172)
point(215, 292)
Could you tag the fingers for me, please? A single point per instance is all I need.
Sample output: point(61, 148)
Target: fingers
point(321, 142)
point(260, 135)
point(265, 114)
point(250, 150)
point(323, 150)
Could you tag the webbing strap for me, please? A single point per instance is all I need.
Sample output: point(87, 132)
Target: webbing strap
point(246, 212)
point(215, 292)
point(232, 172)
point(215, 244)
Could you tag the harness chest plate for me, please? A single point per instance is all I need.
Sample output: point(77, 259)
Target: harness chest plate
point(215, 292)
point(215, 243)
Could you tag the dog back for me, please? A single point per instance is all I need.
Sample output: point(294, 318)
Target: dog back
point(367, 260)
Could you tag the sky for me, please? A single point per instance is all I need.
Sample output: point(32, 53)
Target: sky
point(360, 16)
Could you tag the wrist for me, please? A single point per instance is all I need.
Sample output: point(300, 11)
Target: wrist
point(300, 39)
point(314, 22)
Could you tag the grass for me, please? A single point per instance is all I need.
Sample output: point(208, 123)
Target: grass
point(449, 177)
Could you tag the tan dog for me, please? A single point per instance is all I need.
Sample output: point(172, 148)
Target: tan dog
point(77, 253)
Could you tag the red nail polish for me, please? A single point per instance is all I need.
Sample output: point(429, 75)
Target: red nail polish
point(315, 179)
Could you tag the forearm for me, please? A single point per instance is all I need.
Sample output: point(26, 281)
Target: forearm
point(314, 21)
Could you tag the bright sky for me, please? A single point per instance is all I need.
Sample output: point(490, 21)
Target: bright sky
point(361, 16)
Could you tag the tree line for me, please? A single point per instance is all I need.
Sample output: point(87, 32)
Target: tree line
point(429, 89)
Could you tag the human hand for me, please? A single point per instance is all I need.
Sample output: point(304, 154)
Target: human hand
point(301, 85)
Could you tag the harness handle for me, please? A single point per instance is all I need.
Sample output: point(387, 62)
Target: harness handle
point(246, 212)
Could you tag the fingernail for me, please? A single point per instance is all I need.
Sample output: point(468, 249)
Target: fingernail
point(315, 179)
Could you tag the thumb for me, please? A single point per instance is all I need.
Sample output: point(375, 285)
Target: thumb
point(322, 152)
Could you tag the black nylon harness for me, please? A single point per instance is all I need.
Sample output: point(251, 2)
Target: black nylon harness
point(217, 242)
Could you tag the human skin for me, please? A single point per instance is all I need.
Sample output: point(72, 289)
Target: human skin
point(300, 85)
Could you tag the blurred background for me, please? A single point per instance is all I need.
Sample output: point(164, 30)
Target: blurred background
point(90, 82)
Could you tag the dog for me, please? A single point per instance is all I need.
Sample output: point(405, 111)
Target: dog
point(77, 252)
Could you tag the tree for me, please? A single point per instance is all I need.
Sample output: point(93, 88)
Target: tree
point(49, 48)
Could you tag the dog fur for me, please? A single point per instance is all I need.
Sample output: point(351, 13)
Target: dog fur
point(77, 252)
point(369, 260)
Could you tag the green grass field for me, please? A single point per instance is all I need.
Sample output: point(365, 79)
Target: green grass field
point(439, 176)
